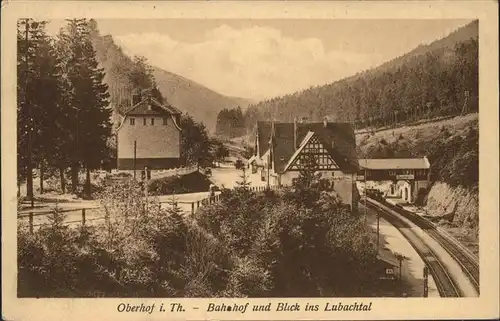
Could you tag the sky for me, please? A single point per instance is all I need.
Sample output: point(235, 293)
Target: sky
point(260, 59)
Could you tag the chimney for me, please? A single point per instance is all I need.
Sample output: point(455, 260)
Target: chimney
point(295, 133)
point(146, 93)
point(136, 98)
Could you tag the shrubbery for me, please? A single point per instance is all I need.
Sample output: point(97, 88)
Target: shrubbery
point(139, 251)
point(287, 248)
point(190, 183)
point(247, 245)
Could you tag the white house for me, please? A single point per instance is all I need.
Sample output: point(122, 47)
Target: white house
point(149, 136)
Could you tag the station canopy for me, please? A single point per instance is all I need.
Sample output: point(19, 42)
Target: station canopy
point(394, 163)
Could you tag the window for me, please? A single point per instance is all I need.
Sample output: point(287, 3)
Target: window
point(144, 121)
point(165, 121)
point(132, 121)
point(152, 121)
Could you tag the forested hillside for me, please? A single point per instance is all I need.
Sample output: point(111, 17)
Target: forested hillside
point(230, 123)
point(452, 147)
point(433, 80)
point(190, 97)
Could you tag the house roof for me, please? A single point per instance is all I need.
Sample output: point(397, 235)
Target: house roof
point(150, 106)
point(341, 134)
point(395, 163)
point(304, 142)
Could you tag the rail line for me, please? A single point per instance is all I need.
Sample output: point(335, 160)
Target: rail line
point(444, 282)
point(462, 256)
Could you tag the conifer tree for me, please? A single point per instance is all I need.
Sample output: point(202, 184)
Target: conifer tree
point(88, 99)
point(39, 93)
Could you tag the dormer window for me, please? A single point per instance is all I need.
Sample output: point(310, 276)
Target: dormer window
point(132, 121)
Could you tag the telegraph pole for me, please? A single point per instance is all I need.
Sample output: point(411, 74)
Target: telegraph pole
point(378, 232)
point(29, 177)
point(135, 156)
point(366, 208)
point(426, 281)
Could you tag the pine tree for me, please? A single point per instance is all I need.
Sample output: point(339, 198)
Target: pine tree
point(195, 143)
point(39, 92)
point(243, 183)
point(88, 99)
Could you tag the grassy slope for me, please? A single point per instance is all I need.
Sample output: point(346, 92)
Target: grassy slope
point(416, 137)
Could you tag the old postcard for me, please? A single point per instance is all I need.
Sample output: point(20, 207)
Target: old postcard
point(249, 160)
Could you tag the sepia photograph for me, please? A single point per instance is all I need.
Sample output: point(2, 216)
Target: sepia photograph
point(305, 168)
point(238, 158)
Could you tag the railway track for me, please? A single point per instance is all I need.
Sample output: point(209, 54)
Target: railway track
point(468, 263)
point(444, 282)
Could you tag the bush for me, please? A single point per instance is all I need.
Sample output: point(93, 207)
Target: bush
point(239, 164)
point(135, 253)
point(248, 244)
point(285, 247)
point(190, 183)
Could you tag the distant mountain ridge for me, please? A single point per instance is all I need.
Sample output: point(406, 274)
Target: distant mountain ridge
point(195, 99)
point(432, 80)
point(192, 98)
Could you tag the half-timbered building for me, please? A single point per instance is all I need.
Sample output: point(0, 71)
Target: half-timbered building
point(284, 149)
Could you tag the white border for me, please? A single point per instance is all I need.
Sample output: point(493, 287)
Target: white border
point(75, 309)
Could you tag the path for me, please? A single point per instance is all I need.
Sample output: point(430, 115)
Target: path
point(392, 241)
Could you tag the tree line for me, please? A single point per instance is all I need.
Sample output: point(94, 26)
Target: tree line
point(66, 110)
point(230, 123)
point(63, 104)
point(442, 81)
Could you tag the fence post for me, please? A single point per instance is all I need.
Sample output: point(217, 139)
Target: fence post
point(192, 208)
point(83, 216)
point(31, 222)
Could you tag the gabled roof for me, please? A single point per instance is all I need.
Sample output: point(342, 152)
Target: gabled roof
point(297, 152)
point(341, 134)
point(150, 106)
point(395, 163)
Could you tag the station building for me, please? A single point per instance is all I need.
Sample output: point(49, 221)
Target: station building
point(408, 175)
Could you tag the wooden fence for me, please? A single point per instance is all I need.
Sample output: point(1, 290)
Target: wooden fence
point(173, 172)
point(83, 215)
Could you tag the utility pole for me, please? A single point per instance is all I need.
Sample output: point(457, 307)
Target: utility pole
point(378, 232)
point(146, 186)
point(29, 177)
point(366, 209)
point(135, 156)
point(464, 108)
point(426, 281)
